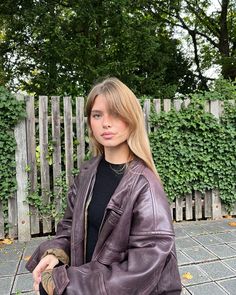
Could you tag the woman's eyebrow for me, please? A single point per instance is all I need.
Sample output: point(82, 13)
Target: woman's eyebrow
point(96, 111)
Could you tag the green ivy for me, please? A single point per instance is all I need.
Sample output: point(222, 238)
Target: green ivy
point(59, 195)
point(11, 111)
point(193, 151)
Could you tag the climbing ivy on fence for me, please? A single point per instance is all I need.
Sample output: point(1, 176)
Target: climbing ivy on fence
point(193, 151)
point(57, 205)
point(11, 111)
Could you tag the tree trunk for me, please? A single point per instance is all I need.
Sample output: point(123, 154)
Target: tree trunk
point(228, 66)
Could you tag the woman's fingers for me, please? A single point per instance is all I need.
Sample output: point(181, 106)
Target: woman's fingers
point(48, 262)
point(36, 287)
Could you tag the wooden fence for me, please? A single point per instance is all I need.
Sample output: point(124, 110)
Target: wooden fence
point(66, 138)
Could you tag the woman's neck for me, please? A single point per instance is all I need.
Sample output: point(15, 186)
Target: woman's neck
point(118, 155)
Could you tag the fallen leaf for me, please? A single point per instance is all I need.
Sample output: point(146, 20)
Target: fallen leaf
point(228, 216)
point(232, 223)
point(187, 276)
point(6, 242)
point(26, 258)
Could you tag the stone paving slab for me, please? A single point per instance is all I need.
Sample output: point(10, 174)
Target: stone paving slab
point(199, 254)
point(5, 285)
point(23, 283)
point(226, 237)
point(230, 262)
point(10, 254)
point(232, 245)
point(209, 239)
point(213, 228)
point(21, 268)
point(207, 289)
point(179, 232)
point(217, 270)
point(8, 268)
point(224, 224)
point(185, 242)
point(222, 251)
point(229, 285)
point(195, 230)
point(182, 258)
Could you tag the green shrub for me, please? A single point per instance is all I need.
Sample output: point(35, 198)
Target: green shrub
point(193, 151)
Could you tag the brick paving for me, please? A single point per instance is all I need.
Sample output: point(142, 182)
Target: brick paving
point(206, 253)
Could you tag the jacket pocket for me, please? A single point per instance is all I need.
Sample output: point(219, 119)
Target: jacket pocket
point(107, 256)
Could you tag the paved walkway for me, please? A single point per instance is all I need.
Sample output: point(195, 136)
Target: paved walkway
point(206, 255)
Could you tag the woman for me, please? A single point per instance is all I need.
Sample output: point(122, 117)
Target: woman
point(116, 236)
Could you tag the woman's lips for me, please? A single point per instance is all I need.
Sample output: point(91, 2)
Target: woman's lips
point(107, 135)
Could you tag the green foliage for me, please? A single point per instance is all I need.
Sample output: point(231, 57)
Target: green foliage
point(208, 28)
point(11, 111)
point(56, 206)
point(62, 47)
point(222, 89)
point(193, 151)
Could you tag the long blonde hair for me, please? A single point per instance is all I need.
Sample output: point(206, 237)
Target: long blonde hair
point(122, 101)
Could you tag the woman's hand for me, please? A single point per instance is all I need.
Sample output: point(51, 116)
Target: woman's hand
point(48, 262)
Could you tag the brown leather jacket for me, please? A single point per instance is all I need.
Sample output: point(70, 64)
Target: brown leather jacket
point(135, 251)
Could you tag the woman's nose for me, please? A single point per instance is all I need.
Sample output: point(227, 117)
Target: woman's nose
point(107, 122)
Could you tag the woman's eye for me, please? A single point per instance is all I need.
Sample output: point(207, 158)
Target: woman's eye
point(96, 116)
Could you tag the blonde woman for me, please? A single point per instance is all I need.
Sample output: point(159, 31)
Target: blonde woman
point(116, 236)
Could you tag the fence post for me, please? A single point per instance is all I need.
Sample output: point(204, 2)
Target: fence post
point(146, 112)
point(21, 178)
point(216, 205)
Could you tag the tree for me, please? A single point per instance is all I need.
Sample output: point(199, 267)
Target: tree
point(63, 46)
point(211, 31)
point(3, 79)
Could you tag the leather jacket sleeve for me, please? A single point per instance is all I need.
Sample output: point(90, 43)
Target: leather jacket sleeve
point(138, 269)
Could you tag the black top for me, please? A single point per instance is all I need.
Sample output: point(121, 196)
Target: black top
point(107, 179)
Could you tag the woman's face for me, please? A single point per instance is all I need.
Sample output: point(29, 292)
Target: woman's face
point(108, 128)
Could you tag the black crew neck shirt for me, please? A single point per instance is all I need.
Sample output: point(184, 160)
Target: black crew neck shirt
point(107, 179)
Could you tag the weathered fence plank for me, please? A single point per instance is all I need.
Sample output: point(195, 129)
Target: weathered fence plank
point(198, 205)
point(56, 140)
point(146, 112)
point(167, 105)
point(68, 127)
point(31, 154)
point(189, 207)
point(12, 217)
point(80, 130)
point(216, 205)
point(207, 204)
point(179, 209)
point(157, 105)
point(44, 166)
point(215, 108)
point(177, 104)
point(21, 179)
point(186, 102)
